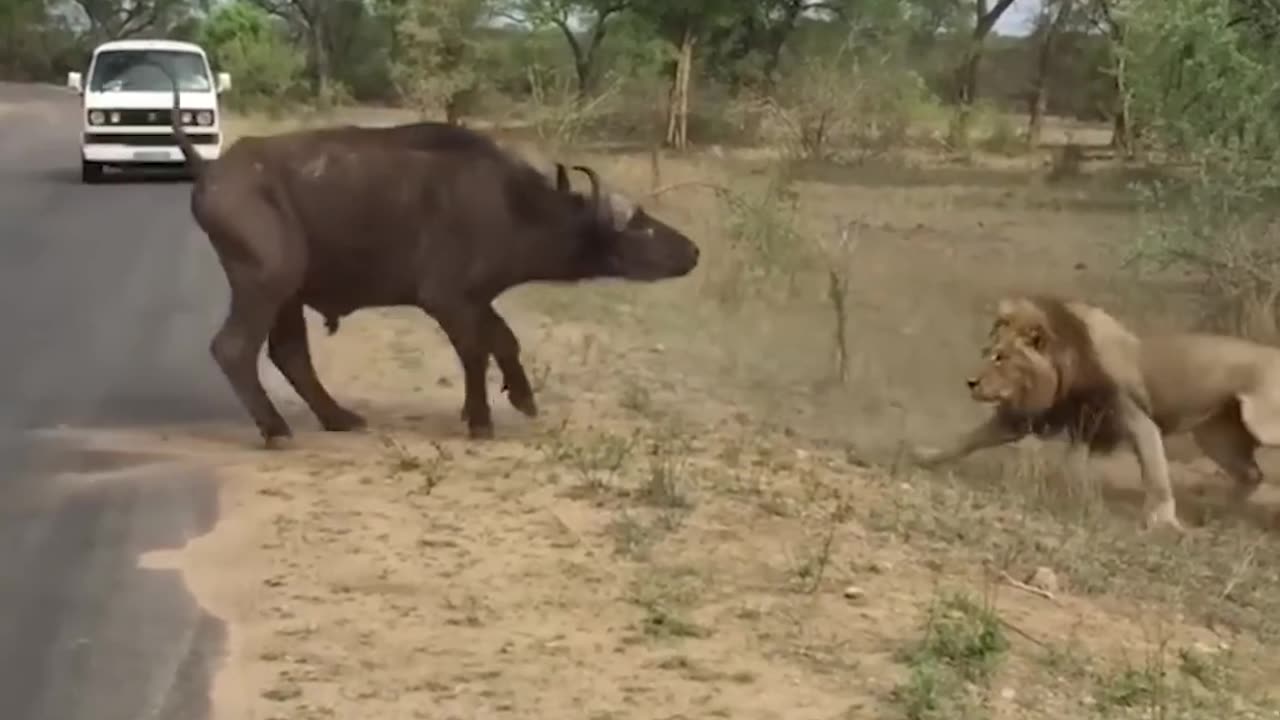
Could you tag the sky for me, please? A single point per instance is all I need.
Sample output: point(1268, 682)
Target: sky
point(1019, 18)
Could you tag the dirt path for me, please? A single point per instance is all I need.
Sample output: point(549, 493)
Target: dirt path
point(612, 559)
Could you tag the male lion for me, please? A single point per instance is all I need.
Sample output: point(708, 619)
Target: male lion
point(1055, 366)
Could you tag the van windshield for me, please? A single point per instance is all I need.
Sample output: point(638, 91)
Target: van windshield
point(134, 70)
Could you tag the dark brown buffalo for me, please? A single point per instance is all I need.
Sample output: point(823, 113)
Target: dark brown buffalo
point(428, 215)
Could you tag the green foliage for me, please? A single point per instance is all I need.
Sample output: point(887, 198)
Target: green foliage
point(1206, 90)
point(963, 645)
point(442, 56)
point(244, 40)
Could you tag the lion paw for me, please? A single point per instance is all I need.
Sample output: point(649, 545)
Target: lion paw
point(1164, 516)
point(924, 456)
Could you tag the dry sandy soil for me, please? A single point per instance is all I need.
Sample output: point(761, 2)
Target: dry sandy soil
point(704, 522)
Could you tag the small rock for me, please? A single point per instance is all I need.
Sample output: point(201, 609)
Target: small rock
point(1044, 579)
point(280, 693)
point(853, 592)
point(882, 567)
point(1008, 694)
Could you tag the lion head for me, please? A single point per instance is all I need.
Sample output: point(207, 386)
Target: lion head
point(1025, 318)
point(1016, 376)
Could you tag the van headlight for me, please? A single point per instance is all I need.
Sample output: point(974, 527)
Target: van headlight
point(204, 117)
point(186, 118)
point(115, 118)
point(96, 117)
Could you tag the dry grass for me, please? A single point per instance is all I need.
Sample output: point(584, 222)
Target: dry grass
point(710, 520)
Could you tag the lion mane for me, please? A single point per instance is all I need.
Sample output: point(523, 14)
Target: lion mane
point(1052, 342)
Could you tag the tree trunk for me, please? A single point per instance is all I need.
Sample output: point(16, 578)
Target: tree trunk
point(684, 92)
point(968, 73)
point(1121, 127)
point(1040, 94)
point(678, 114)
point(319, 60)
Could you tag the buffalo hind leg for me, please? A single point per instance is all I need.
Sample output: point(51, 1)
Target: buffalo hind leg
point(465, 325)
point(289, 350)
point(235, 348)
point(506, 352)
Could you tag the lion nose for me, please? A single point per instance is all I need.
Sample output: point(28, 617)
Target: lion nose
point(972, 383)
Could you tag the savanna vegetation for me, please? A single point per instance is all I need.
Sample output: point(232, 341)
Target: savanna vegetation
point(713, 519)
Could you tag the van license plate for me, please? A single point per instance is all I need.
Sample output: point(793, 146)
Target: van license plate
point(151, 155)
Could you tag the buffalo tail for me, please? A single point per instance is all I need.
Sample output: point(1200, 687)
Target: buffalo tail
point(195, 163)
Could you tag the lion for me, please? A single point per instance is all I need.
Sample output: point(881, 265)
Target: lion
point(1054, 367)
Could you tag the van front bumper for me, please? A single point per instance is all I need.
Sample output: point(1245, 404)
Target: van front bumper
point(113, 149)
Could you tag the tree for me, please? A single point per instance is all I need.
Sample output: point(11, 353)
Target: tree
point(243, 39)
point(985, 18)
point(1205, 86)
point(683, 24)
point(560, 14)
point(769, 24)
point(440, 53)
point(1054, 16)
point(312, 20)
point(116, 19)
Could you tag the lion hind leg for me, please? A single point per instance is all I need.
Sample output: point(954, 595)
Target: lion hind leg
point(1226, 441)
point(1260, 411)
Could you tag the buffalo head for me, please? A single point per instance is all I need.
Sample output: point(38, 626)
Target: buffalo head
point(626, 242)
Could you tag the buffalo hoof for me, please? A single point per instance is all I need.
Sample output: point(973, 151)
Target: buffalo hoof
point(524, 403)
point(278, 442)
point(343, 421)
point(480, 432)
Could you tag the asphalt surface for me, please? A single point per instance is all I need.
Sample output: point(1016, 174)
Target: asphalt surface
point(108, 298)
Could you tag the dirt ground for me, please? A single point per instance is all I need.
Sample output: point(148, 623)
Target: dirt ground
point(704, 521)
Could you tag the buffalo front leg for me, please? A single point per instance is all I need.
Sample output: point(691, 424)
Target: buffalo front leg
point(991, 433)
point(506, 352)
point(465, 325)
point(235, 348)
point(1148, 445)
point(290, 351)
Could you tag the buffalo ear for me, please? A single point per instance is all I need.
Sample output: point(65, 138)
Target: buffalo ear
point(562, 178)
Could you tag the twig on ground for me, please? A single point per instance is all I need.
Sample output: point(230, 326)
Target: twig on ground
point(1237, 574)
point(1027, 588)
point(1023, 633)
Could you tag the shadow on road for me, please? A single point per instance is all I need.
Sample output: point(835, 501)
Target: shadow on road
point(84, 632)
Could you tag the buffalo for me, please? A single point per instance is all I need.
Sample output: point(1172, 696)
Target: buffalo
point(428, 215)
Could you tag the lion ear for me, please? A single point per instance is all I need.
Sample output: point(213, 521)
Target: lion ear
point(1037, 339)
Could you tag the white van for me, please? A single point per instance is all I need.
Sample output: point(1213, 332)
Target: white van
point(127, 102)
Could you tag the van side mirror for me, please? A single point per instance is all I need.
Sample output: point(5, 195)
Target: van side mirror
point(75, 81)
point(224, 82)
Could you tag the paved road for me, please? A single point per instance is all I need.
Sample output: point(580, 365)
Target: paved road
point(108, 297)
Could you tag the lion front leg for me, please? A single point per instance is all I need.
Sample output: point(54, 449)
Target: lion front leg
point(991, 433)
point(1148, 445)
point(1075, 463)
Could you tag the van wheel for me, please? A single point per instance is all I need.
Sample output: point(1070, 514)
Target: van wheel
point(90, 172)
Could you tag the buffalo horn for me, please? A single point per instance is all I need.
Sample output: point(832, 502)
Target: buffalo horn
point(562, 178)
point(595, 185)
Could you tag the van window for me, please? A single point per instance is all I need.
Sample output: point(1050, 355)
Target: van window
point(125, 70)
